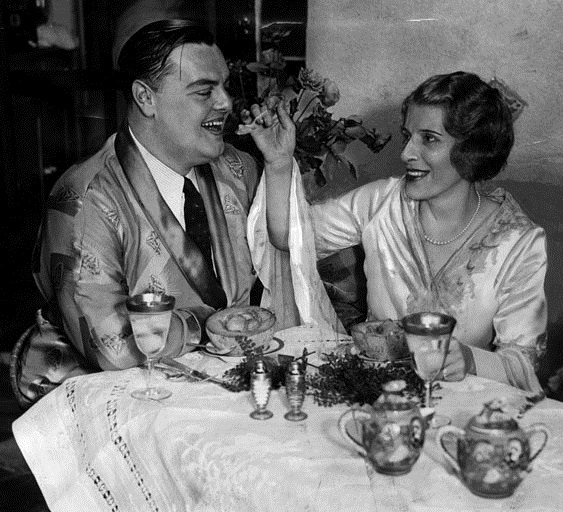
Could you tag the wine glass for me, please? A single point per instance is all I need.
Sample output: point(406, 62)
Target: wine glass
point(428, 337)
point(150, 316)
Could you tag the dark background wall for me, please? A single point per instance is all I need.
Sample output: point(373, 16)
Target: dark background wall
point(57, 106)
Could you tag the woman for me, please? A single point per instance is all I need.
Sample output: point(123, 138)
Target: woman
point(434, 241)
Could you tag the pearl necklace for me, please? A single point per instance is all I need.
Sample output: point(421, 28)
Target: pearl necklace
point(446, 242)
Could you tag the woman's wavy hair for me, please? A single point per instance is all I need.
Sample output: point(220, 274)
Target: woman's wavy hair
point(476, 115)
point(145, 55)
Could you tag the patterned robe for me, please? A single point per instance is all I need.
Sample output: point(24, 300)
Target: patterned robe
point(493, 285)
point(107, 235)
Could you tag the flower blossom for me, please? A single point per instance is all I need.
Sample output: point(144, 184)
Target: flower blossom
point(273, 58)
point(310, 79)
point(330, 94)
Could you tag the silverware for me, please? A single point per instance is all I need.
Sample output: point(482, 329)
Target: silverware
point(190, 373)
point(531, 401)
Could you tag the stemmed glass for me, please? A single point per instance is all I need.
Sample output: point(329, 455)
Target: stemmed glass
point(428, 337)
point(150, 315)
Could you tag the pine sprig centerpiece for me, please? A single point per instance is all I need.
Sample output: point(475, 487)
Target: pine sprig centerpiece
point(347, 379)
point(238, 378)
point(344, 378)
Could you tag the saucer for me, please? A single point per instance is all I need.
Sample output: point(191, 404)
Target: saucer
point(378, 362)
point(275, 345)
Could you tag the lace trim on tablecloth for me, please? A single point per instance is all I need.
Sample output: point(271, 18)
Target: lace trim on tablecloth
point(119, 442)
point(97, 480)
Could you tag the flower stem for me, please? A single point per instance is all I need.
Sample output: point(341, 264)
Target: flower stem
point(242, 87)
point(305, 109)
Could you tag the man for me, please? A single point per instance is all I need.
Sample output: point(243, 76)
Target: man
point(115, 224)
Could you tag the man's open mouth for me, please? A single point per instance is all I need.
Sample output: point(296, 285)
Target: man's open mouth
point(215, 126)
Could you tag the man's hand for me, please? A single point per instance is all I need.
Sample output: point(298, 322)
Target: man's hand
point(273, 133)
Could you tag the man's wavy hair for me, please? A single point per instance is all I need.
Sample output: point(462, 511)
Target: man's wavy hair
point(476, 115)
point(145, 55)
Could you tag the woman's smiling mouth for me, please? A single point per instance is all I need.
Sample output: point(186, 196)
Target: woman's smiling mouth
point(415, 174)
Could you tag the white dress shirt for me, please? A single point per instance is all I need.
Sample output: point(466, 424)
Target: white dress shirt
point(170, 184)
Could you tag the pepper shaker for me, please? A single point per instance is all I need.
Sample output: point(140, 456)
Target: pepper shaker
point(260, 387)
point(295, 391)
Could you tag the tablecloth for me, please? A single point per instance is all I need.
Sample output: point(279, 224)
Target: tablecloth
point(92, 447)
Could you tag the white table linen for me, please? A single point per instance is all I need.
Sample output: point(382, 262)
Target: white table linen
point(93, 447)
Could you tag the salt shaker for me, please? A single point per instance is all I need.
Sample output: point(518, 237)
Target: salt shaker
point(295, 391)
point(260, 387)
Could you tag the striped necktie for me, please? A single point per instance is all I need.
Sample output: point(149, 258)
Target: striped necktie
point(197, 227)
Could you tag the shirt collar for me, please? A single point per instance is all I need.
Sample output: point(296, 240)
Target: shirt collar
point(170, 184)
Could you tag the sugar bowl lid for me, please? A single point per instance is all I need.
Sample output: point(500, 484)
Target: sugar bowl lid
point(392, 397)
point(493, 417)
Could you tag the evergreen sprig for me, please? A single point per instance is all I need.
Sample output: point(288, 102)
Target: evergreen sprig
point(344, 378)
point(347, 379)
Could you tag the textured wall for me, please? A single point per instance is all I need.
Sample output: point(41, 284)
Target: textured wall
point(379, 50)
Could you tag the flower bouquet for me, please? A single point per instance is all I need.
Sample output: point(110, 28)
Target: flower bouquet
point(321, 140)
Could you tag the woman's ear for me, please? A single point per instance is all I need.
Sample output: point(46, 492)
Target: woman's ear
point(144, 97)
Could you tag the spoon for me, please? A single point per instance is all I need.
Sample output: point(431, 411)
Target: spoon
point(531, 401)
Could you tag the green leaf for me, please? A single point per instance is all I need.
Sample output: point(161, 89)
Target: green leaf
point(320, 179)
point(375, 141)
point(352, 171)
point(335, 164)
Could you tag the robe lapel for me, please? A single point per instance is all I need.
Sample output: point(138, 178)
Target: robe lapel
point(223, 253)
point(410, 219)
point(180, 247)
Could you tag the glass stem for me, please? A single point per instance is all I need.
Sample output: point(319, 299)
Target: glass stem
point(428, 393)
point(150, 365)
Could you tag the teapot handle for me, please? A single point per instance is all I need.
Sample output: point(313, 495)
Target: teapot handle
point(537, 429)
point(457, 433)
point(344, 419)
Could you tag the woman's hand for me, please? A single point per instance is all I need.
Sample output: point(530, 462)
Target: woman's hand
point(459, 362)
point(273, 133)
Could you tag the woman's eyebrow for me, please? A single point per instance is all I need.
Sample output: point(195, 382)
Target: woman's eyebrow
point(428, 130)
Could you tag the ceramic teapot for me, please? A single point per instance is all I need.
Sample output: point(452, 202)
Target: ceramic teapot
point(493, 452)
point(391, 434)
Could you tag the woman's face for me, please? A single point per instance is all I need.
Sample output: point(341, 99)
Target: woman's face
point(426, 154)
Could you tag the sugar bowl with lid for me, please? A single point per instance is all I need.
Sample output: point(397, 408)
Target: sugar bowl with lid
point(391, 434)
point(493, 452)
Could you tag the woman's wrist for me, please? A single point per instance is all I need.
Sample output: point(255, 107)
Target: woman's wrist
point(468, 358)
point(280, 165)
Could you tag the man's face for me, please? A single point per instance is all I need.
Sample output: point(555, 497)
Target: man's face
point(190, 108)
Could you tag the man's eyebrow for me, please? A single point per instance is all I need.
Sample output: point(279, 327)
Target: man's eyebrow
point(202, 82)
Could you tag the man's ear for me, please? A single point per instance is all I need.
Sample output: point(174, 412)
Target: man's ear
point(144, 97)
